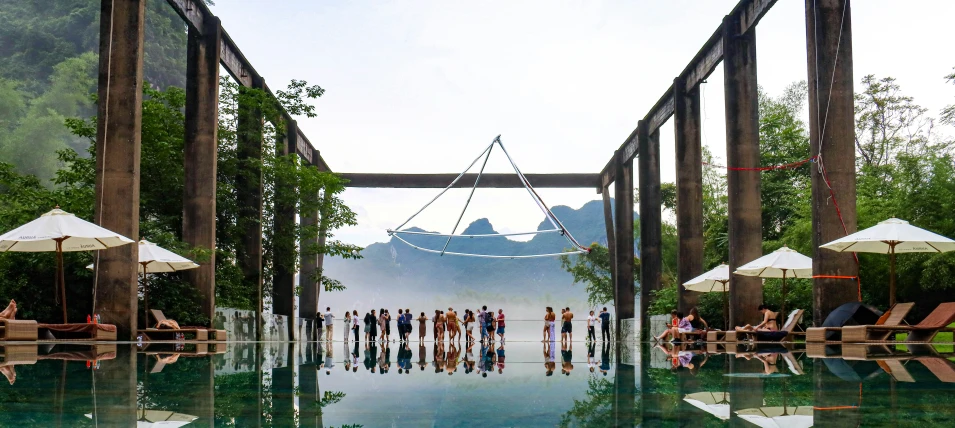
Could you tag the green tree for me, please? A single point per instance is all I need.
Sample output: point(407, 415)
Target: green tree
point(593, 271)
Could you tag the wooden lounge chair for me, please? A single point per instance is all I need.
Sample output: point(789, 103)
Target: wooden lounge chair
point(11, 330)
point(925, 331)
point(896, 314)
point(940, 367)
point(198, 333)
point(77, 331)
point(792, 323)
point(896, 369)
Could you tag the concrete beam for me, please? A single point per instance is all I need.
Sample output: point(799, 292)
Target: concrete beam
point(118, 143)
point(439, 181)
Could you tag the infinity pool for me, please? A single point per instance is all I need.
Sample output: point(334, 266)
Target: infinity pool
point(521, 384)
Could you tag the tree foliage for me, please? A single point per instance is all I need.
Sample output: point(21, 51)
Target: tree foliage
point(593, 271)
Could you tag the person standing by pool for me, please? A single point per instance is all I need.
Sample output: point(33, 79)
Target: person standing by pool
point(329, 323)
point(452, 319)
point(408, 319)
point(354, 324)
point(442, 325)
point(387, 326)
point(371, 326)
point(422, 326)
point(482, 323)
point(567, 329)
point(549, 318)
point(381, 323)
point(590, 327)
point(434, 324)
point(347, 328)
point(605, 324)
point(500, 324)
point(491, 321)
point(319, 323)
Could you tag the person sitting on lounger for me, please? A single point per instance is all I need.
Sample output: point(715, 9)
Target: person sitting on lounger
point(10, 312)
point(769, 321)
point(690, 323)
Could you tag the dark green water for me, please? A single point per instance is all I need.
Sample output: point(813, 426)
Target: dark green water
point(291, 385)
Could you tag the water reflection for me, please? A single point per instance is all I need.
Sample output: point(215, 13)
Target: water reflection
point(519, 384)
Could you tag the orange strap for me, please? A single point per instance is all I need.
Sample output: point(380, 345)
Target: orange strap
point(858, 281)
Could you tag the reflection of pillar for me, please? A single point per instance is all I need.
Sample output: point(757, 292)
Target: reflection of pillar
point(200, 396)
point(118, 142)
point(834, 399)
point(114, 386)
point(283, 391)
point(624, 393)
point(310, 414)
point(745, 392)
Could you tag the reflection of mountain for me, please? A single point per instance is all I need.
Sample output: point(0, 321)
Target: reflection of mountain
point(393, 264)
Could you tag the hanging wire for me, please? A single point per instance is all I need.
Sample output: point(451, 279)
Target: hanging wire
point(548, 214)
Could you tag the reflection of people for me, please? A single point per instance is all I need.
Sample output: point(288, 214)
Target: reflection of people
point(604, 358)
point(422, 354)
point(769, 321)
point(549, 363)
point(591, 361)
point(500, 358)
point(769, 361)
point(566, 358)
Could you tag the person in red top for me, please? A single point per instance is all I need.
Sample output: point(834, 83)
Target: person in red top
point(500, 323)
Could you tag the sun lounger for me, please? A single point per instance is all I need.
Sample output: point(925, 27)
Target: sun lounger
point(940, 367)
point(77, 332)
point(12, 330)
point(198, 333)
point(896, 314)
point(925, 331)
point(896, 369)
point(792, 322)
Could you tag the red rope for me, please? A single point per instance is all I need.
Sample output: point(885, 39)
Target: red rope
point(835, 203)
point(763, 168)
point(858, 281)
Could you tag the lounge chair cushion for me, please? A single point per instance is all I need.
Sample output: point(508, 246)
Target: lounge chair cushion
point(771, 336)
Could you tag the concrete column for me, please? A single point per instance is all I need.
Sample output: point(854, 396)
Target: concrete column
point(119, 113)
point(651, 263)
point(742, 150)
point(689, 189)
point(201, 156)
point(611, 241)
point(308, 298)
point(831, 127)
point(249, 190)
point(623, 188)
point(283, 282)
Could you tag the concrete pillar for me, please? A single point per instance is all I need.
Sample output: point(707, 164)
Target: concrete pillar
point(611, 241)
point(623, 188)
point(742, 150)
point(689, 188)
point(283, 282)
point(308, 297)
point(201, 156)
point(651, 262)
point(831, 127)
point(119, 113)
point(249, 190)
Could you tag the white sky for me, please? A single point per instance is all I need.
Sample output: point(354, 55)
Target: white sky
point(424, 86)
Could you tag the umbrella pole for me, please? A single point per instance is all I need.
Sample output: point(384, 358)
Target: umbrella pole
point(891, 274)
point(726, 314)
point(783, 311)
point(146, 294)
point(61, 277)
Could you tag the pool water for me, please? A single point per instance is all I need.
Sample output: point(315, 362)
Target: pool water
point(519, 384)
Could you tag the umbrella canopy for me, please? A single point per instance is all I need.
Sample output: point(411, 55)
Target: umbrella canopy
point(890, 237)
point(60, 231)
point(154, 259)
point(714, 403)
point(159, 418)
point(75, 234)
point(773, 417)
point(715, 279)
point(782, 263)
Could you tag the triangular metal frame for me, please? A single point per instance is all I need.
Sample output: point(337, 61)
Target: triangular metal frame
point(486, 154)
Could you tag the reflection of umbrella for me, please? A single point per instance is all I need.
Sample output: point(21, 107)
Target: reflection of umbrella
point(60, 231)
point(777, 417)
point(782, 263)
point(159, 418)
point(890, 237)
point(714, 403)
point(713, 280)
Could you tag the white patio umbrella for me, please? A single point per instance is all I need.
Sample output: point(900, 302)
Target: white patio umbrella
point(715, 279)
point(782, 263)
point(156, 259)
point(714, 403)
point(60, 231)
point(778, 417)
point(890, 237)
point(159, 418)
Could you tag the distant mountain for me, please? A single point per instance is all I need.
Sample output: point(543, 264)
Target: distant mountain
point(394, 266)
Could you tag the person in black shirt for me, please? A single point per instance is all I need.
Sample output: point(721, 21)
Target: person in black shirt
point(605, 324)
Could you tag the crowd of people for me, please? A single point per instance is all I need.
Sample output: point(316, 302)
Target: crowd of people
point(377, 325)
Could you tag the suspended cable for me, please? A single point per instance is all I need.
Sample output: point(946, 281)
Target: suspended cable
point(473, 188)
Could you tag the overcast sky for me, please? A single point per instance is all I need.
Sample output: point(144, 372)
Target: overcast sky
point(423, 87)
